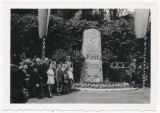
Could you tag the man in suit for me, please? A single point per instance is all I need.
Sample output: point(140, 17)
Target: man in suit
point(17, 82)
point(45, 67)
point(43, 74)
point(36, 81)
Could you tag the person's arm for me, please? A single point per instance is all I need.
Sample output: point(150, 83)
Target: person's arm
point(131, 69)
point(71, 69)
point(57, 75)
point(62, 76)
point(47, 72)
point(72, 65)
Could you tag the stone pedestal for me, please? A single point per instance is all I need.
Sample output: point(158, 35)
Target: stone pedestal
point(91, 49)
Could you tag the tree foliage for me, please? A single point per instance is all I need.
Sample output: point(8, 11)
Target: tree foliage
point(65, 31)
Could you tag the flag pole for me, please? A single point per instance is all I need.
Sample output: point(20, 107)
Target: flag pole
point(43, 47)
point(43, 21)
point(141, 21)
point(144, 62)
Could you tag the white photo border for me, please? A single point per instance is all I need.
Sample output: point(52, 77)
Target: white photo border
point(71, 5)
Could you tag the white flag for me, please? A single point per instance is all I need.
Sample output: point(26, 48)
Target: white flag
point(43, 21)
point(141, 21)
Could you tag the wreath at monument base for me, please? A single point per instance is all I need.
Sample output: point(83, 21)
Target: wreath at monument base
point(102, 85)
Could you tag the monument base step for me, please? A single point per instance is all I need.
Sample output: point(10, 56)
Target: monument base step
point(107, 90)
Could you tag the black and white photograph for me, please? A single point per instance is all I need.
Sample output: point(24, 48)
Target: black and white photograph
point(56, 53)
point(80, 56)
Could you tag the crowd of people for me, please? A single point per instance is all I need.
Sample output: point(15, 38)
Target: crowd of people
point(43, 77)
point(38, 78)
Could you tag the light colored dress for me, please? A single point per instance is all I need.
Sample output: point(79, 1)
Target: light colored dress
point(69, 63)
point(50, 74)
point(63, 68)
point(70, 73)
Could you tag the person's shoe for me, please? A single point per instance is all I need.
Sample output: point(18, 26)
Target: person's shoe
point(39, 97)
point(59, 94)
point(32, 96)
point(49, 96)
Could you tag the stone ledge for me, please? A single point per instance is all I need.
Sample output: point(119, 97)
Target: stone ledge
point(107, 90)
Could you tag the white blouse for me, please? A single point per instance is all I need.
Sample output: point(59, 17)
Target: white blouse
point(50, 72)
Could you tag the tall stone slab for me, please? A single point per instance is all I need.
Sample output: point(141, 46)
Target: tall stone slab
point(91, 50)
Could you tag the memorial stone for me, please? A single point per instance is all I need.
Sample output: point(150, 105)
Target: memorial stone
point(91, 50)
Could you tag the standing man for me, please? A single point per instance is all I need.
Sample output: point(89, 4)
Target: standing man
point(17, 82)
point(43, 75)
point(46, 66)
point(77, 70)
point(37, 82)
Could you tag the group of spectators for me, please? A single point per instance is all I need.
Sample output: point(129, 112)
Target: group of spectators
point(38, 78)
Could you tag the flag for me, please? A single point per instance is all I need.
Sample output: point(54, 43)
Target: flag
point(43, 21)
point(141, 21)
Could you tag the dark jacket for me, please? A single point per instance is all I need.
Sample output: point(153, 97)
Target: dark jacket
point(59, 75)
point(42, 72)
point(17, 77)
point(17, 84)
point(35, 78)
point(45, 67)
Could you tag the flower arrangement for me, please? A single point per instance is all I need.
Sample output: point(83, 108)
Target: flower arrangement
point(101, 85)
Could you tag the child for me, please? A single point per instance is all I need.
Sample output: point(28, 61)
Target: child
point(59, 79)
point(66, 81)
point(50, 81)
point(70, 73)
point(64, 67)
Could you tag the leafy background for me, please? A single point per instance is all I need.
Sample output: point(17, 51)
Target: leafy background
point(65, 31)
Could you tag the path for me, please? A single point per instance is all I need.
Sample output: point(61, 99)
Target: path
point(136, 96)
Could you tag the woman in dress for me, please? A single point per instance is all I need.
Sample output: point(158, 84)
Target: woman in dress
point(70, 72)
point(50, 81)
point(132, 71)
point(69, 62)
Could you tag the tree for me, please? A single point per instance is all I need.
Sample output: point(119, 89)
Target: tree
point(66, 28)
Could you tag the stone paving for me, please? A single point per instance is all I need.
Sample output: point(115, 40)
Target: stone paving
point(136, 96)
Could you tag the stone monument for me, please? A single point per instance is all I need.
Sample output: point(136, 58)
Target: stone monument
point(91, 50)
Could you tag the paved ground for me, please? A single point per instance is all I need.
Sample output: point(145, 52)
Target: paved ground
point(135, 96)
